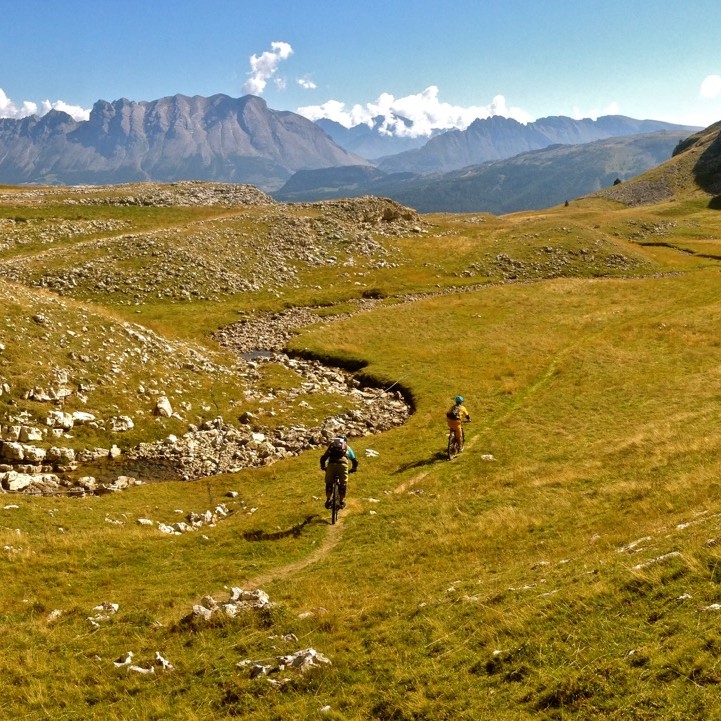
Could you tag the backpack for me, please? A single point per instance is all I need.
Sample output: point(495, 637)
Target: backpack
point(337, 449)
point(454, 413)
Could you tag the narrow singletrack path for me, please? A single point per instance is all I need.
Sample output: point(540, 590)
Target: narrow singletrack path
point(329, 542)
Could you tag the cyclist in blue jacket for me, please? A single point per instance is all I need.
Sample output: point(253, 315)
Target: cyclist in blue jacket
point(335, 461)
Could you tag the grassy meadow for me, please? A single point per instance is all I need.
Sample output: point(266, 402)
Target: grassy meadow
point(566, 565)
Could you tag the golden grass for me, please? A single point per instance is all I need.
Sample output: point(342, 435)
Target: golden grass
point(574, 575)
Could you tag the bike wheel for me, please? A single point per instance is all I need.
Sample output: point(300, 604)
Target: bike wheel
point(452, 446)
point(334, 503)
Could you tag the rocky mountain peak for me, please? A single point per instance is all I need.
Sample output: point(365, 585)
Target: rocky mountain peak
point(173, 138)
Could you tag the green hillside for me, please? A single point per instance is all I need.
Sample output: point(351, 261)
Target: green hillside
point(531, 179)
point(564, 566)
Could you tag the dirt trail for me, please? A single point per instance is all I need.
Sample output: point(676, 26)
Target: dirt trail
point(416, 479)
point(331, 539)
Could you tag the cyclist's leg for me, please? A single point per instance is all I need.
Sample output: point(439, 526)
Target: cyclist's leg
point(329, 477)
point(456, 427)
point(342, 482)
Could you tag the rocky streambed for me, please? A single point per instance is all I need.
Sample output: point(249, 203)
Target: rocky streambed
point(218, 446)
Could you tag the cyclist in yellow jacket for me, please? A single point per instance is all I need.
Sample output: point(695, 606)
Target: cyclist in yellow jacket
point(455, 416)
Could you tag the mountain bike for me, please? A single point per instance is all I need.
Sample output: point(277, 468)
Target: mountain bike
point(335, 497)
point(335, 500)
point(453, 448)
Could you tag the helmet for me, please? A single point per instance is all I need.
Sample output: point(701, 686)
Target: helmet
point(459, 399)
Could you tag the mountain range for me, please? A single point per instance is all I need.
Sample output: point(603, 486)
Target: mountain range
point(242, 140)
point(532, 180)
point(497, 138)
point(373, 141)
point(174, 138)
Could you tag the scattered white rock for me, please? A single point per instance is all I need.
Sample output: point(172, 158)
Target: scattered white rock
point(124, 660)
point(163, 663)
point(121, 424)
point(303, 660)
point(654, 561)
point(631, 546)
point(163, 407)
point(103, 613)
point(202, 613)
point(141, 669)
point(259, 669)
point(300, 661)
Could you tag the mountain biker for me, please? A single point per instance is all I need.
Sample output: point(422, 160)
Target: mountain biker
point(335, 464)
point(455, 416)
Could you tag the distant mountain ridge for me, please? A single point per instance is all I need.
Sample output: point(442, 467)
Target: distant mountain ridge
point(498, 138)
point(532, 180)
point(241, 140)
point(173, 138)
point(371, 141)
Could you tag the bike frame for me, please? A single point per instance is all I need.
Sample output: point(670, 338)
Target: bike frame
point(453, 448)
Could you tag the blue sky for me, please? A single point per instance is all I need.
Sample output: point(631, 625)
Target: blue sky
point(440, 62)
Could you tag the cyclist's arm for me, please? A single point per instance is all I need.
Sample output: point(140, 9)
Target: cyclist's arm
point(354, 461)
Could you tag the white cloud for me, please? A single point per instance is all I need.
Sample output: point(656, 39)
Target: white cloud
point(424, 111)
point(10, 109)
point(74, 111)
point(711, 86)
point(613, 108)
point(264, 66)
point(307, 83)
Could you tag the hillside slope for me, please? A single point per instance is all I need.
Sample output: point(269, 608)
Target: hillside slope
point(565, 565)
point(532, 180)
point(694, 169)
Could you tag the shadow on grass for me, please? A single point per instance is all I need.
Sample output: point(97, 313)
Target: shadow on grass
point(295, 531)
point(438, 456)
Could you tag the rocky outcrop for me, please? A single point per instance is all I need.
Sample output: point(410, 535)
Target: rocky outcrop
point(40, 455)
point(181, 194)
point(221, 258)
point(50, 484)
